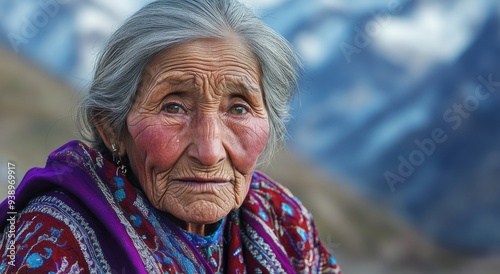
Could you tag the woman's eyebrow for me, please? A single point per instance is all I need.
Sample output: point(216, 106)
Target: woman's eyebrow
point(175, 82)
point(241, 87)
point(162, 85)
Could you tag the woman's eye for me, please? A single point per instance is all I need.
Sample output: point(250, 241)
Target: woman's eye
point(237, 110)
point(173, 108)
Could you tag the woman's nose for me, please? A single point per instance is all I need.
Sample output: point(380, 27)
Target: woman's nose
point(207, 141)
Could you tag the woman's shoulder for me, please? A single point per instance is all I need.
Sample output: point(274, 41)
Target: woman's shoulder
point(281, 199)
point(72, 153)
point(54, 229)
point(72, 161)
point(51, 234)
point(276, 208)
point(72, 158)
point(70, 168)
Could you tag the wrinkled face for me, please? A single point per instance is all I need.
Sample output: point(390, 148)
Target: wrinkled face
point(197, 127)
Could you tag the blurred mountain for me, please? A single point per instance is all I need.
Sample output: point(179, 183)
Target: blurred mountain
point(400, 99)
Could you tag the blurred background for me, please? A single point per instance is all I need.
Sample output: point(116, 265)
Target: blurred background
point(395, 141)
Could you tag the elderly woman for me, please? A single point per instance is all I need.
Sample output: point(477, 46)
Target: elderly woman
point(187, 98)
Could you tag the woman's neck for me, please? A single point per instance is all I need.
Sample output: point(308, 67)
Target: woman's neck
point(199, 229)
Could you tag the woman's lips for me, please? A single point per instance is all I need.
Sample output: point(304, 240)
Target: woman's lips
point(203, 180)
point(204, 185)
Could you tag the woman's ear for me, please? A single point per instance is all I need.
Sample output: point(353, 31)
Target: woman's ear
point(109, 137)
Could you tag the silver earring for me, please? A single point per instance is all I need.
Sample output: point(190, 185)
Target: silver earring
point(118, 161)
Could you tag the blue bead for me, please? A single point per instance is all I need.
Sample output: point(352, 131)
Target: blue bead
point(120, 195)
point(287, 209)
point(302, 233)
point(263, 215)
point(136, 220)
point(119, 181)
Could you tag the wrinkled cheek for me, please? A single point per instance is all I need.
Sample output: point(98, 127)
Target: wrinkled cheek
point(249, 143)
point(159, 145)
point(252, 142)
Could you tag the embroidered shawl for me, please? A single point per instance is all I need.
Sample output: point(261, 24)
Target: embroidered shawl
point(79, 215)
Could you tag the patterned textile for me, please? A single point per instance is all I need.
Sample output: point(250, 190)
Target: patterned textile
point(80, 215)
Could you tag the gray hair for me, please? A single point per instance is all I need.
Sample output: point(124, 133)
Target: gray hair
point(166, 23)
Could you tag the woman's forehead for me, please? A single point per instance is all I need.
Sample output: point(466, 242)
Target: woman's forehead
point(186, 80)
point(225, 63)
point(206, 55)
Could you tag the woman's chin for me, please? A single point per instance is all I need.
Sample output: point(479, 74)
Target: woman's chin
point(203, 213)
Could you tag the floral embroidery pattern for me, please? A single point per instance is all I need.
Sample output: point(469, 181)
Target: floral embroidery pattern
point(40, 242)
